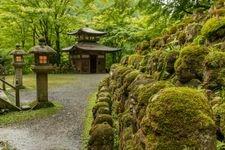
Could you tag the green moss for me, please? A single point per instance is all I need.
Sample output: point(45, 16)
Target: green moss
point(199, 40)
point(140, 80)
point(156, 61)
point(134, 60)
point(104, 99)
point(157, 43)
point(190, 63)
point(219, 3)
point(103, 89)
point(214, 76)
point(120, 71)
point(103, 110)
point(148, 90)
point(181, 38)
point(215, 60)
point(170, 58)
point(101, 136)
point(143, 63)
point(179, 117)
point(129, 145)
point(126, 120)
point(212, 29)
point(114, 66)
point(192, 30)
point(97, 106)
point(220, 111)
point(129, 78)
point(144, 45)
point(124, 60)
point(88, 120)
point(104, 82)
point(103, 95)
point(104, 118)
point(172, 30)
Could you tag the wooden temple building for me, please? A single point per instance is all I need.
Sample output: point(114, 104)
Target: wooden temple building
point(88, 56)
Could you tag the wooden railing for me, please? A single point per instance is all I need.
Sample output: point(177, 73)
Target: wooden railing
point(15, 88)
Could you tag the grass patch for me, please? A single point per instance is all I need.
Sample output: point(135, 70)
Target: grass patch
point(21, 116)
point(88, 120)
point(54, 80)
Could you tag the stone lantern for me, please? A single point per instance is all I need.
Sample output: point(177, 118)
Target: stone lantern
point(18, 63)
point(42, 67)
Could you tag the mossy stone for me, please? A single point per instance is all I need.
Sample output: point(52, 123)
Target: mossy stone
point(124, 60)
point(181, 38)
point(179, 117)
point(156, 61)
point(104, 83)
point(215, 60)
point(214, 75)
point(101, 137)
point(134, 60)
point(126, 120)
point(141, 80)
point(170, 58)
point(103, 94)
point(130, 77)
point(190, 63)
point(192, 30)
point(220, 111)
point(104, 89)
point(101, 118)
point(150, 89)
point(104, 99)
point(199, 40)
point(97, 106)
point(142, 46)
point(102, 110)
point(146, 92)
point(213, 27)
point(119, 71)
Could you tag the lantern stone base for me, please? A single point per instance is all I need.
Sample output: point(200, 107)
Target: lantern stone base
point(18, 64)
point(43, 69)
point(38, 105)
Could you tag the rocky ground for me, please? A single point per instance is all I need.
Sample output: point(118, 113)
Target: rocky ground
point(61, 131)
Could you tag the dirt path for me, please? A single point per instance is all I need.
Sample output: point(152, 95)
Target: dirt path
point(61, 131)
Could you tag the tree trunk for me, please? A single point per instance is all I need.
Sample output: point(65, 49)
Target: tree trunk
point(57, 43)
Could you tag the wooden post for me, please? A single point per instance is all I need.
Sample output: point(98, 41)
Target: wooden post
point(3, 83)
point(17, 94)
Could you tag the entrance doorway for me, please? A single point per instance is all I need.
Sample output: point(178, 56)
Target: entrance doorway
point(93, 63)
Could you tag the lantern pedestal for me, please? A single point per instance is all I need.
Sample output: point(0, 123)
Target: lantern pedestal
point(19, 73)
point(42, 66)
point(42, 86)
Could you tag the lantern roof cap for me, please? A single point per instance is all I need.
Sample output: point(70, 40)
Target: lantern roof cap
point(18, 51)
point(42, 47)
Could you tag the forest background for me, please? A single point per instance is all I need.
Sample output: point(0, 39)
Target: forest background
point(128, 22)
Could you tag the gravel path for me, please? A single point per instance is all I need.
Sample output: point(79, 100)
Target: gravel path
point(61, 131)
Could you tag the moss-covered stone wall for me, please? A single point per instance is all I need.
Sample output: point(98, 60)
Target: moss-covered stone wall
point(170, 94)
